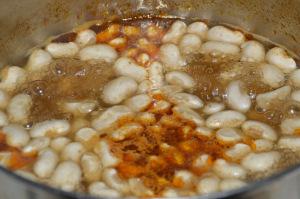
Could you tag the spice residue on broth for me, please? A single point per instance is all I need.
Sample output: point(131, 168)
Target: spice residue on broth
point(151, 107)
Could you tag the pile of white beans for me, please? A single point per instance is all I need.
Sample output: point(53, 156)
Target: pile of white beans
point(72, 152)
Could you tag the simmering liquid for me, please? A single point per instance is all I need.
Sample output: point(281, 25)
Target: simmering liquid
point(151, 107)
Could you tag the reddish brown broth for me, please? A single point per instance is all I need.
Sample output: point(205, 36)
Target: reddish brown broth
point(71, 79)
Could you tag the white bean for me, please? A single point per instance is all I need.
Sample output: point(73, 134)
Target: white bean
point(46, 163)
point(289, 142)
point(125, 66)
point(213, 107)
point(295, 78)
point(170, 193)
point(188, 114)
point(230, 184)
point(126, 131)
point(102, 190)
point(175, 32)
point(208, 184)
point(171, 57)
point(266, 100)
point(253, 51)
point(156, 75)
point(67, 176)
point(199, 28)
point(118, 90)
point(272, 76)
point(263, 145)
point(186, 99)
point(160, 106)
point(258, 162)
point(3, 119)
point(52, 128)
point(182, 79)
point(237, 97)
point(190, 43)
point(4, 99)
point(73, 151)
point(109, 117)
point(290, 126)
point(145, 118)
point(12, 77)
point(218, 47)
point(221, 33)
point(228, 135)
point(38, 60)
point(204, 131)
point(144, 59)
point(16, 135)
point(296, 95)
point(139, 102)
point(202, 161)
point(279, 57)
point(110, 176)
point(169, 90)
point(36, 144)
point(144, 87)
point(103, 151)
point(59, 50)
point(186, 177)
point(80, 107)
point(225, 169)
point(138, 188)
point(225, 119)
point(87, 136)
point(238, 151)
point(86, 37)
point(257, 129)
point(59, 143)
point(19, 108)
point(100, 52)
point(91, 167)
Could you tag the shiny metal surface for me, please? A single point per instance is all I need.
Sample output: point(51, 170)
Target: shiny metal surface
point(25, 24)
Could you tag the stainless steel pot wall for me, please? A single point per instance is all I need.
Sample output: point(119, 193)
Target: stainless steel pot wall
point(25, 24)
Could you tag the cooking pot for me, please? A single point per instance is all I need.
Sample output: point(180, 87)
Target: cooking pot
point(25, 24)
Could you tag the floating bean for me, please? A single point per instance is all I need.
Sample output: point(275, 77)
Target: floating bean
point(182, 79)
point(59, 50)
point(258, 162)
point(223, 34)
point(125, 66)
point(225, 119)
point(110, 117)
point(176, 31)
point(67, 176)
point(118, 90)
point(278, 57)
point(253, 51)
point(171, 57)
point(101, 52)
point(266, 100)
point(237, 97)
point(38, 60)
point(198, 28)
point(138, 103)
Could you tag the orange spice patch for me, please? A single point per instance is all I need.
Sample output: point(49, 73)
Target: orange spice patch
point(297, 131)
point(17, 159)
point(168, 145)
point(128, 170)
point(108, 34)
